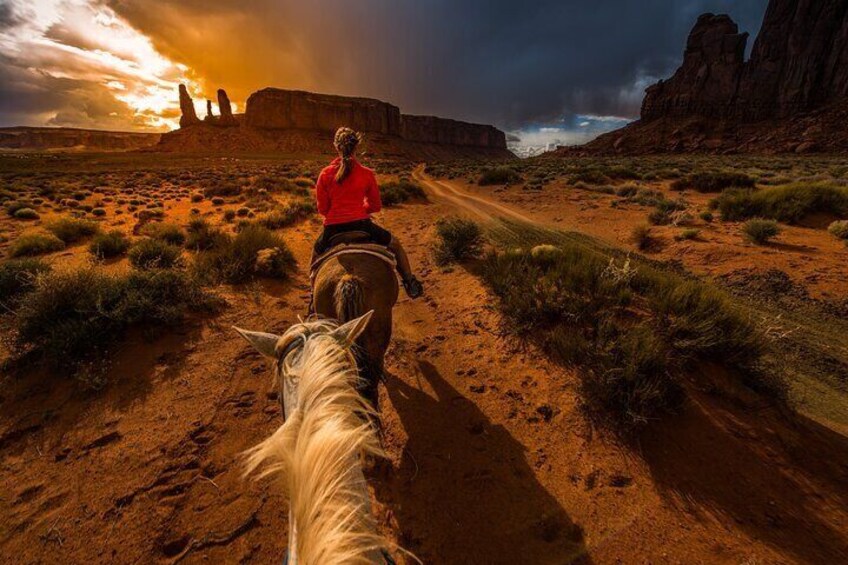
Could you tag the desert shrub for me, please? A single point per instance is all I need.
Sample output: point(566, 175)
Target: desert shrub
point(642, 237)
point(13, 206)
point(26, 214)
point(109, 244)
point(789, 203)
point(222, 188)
point(839, 229)
point(688, 234)
point(203, 236)
point(590, 176)
point(76, 313)
point(636, 333)
point(706, 215)
point(458, 239)
point(218, 201)
point(620, 172)
point(627, 190)
point(169, 233)
point(498, 175)
point(760, 231)
point(713, 182)
point(254, 252)
point(99, 212)
point(30, 244)
point(18, 277)
point(394, 193)
point(197, 197)
point(71, 230)
point(154, 254)
point(229, 215)
point(287, 215)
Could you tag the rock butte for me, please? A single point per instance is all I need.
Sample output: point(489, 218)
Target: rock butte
point(298, 121)
point(792, 95)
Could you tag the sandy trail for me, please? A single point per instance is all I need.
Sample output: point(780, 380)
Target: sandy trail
point(483, 208)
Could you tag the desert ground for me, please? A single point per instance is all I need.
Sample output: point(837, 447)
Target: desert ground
point(123, 446)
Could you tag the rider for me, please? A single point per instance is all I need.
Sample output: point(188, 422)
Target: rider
point(347, 195)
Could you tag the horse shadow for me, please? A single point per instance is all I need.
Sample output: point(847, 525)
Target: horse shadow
point(713, 462)
point(464, 491)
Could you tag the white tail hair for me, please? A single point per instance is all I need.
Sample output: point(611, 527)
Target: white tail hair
point(316, 452)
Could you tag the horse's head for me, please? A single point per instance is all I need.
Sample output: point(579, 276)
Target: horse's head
point(288, 351)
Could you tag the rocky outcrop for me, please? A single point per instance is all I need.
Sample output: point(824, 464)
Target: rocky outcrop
point(188, 116)
point(209, 116)
point(706, 82)
point(272, 112)
point(72, 139)
point(274, 108)
point(226, 109)
point(791, 95)
point(799, 63)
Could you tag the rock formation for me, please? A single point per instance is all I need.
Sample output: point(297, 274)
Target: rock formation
point(209, 116)
point(706, 82)
point(225, 108)
point(792, 95)
point(189, 116)
point(271, 112)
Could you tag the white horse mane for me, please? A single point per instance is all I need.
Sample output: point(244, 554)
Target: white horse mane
point(316, 451)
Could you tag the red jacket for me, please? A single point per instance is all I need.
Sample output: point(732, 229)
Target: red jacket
point(356, 198)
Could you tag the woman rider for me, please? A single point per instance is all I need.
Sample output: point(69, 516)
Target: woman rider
point(347, 195)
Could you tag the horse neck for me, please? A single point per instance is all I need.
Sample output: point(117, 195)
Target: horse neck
point(330, 515)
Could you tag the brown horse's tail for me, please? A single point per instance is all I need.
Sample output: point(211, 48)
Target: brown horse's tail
point(350, 301)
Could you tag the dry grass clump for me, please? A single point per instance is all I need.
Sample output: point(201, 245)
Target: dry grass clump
point(155, 254)
point(18, 276)
point(71, 230)
point(789, 203)
point(109, 244)
point(74, 314)
point(254, 252)
point(394, 193)
point(498, 175)
point(167, 232)
point(839, 229)
point(458, 239)
point(30, 244)
point(635, 333)
point(760, 231)
point(713, 181)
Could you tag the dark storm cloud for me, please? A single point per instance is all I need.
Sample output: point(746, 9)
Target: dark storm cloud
point(516, 64)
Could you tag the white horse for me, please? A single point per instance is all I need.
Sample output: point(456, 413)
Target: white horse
point(317, 451)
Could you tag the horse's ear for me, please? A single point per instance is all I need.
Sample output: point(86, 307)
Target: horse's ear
point(348, 332)
point(264, 343)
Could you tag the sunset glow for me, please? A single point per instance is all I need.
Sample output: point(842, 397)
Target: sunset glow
point(88, 44)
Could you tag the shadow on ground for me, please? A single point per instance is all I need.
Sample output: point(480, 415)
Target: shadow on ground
point(464, 492)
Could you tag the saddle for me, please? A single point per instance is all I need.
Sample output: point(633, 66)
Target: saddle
point(353, 242)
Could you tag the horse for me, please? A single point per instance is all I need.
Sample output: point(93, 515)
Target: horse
point(326, 369)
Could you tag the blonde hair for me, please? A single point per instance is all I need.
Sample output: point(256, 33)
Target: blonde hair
point(345, 142)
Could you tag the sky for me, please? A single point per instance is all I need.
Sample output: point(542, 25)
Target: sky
point(545, 70)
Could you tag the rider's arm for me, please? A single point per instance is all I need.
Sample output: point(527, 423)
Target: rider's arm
point(372, 197)
point(322, 196)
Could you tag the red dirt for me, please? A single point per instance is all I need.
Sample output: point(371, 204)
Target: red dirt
point(492, 459)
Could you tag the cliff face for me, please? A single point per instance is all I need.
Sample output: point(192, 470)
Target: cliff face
point(792, 95)
point(71, 139)
point(799, 63)
point(277, 119)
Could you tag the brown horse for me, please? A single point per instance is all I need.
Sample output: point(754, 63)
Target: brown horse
point(346, 287)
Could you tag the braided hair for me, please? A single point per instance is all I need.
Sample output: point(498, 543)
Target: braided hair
point(345, 141)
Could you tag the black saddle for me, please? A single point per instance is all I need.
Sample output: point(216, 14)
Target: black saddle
point(349, 237)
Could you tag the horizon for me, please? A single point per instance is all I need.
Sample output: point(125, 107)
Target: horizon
point(115, 66)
